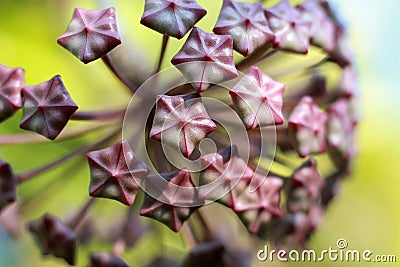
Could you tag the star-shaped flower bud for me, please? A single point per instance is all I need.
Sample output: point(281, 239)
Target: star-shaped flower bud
point(323, 29)
point(340, 124)
point(291, 29)
point(172, 17)
point(341, 133)
point(342, 55)
point(305, 223)
point(258, 99)
point(8, 184)
point(222, 171)
point(211, 58)
point(307, 126)
point(47, 107)
point(257, 209)
point(54, 238)
point(103, 259)
point(91, 34)
point(115, 173)
point(181, 122)
point(11, 83)
point(307, 176)
point(304, 187)
point(168, 208)
point(247, 25)
point(348, 83)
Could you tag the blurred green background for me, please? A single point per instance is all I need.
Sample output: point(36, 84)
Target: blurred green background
point(366, 213)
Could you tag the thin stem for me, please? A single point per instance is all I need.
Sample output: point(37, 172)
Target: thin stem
point(319, 63)
point(26, 138)
point(267, 56)
point(190, 235)
point(208, 233)
point(74, 222)
point(113, 68)
point(253, 58)
point(98, 115)
point(23, 177)
point(52, 185)
point(162, 53)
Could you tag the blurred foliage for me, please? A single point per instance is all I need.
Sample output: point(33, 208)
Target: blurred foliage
point(366, 212)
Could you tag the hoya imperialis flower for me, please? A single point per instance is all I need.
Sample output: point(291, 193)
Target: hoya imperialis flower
point(11, 83)
point(247, 25)
point(170, 213)
point(115, 173)
point(291, 29)
point(241, 169)
point(305, 187)
point(258, 99)
point(91, 34)
point(221, 172)
point(340, 124)
point(323, 29)
point(307, 124)
point(181, 121)
point(8, 184)
point(341, 132)
point(54, 237)
point(172, 17)
point(47, 107)
point(267, 208)
point(212, 57)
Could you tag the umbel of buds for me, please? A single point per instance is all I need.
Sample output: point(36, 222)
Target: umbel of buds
point(232, 113)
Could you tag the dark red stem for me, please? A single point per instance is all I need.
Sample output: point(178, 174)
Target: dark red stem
point(98, 115)
point(108, 61)
point(23, 177)
point(74, 222)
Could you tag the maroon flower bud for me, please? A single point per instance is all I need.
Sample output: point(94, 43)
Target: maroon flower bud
point(8, 184)
point(262, 206)
point(340, 124)
point(247, 25)
point(341, 133)
point(305, 187)
point(54, 238)
point(212, 57)
point(258, 99)
point(206, 254)
point(307, 176)
point(306, 222)
point(179, 189)
point(181, 121)
point(348, 83)
point(323, 29)
point(11, 83)
point(291, 29)
point(47, 107)
point(307, 125)
point(222, 171)
point(342, 55)
point(103, 259)
point(91, 34)
point(115, 173)
point(172, 17)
